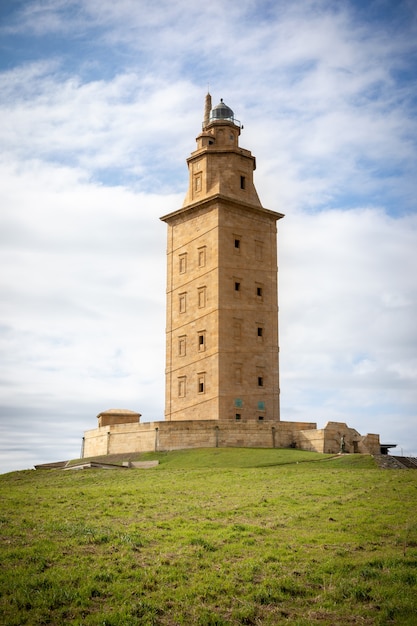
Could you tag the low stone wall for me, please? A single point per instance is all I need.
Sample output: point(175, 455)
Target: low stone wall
point(119, 438)
point(179, 435)
point(164, 436)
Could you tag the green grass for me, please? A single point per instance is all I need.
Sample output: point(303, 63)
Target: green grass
point(211, 537)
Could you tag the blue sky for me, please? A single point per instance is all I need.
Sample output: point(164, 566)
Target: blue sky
point(101, 102)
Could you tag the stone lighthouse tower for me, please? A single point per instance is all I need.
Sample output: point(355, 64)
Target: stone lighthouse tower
point(222, 375)
point(222, 296)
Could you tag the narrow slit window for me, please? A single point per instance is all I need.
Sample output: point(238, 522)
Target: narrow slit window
point(202, 292)
point(183, 263)
point(182, 302)
point(259, 292)
point(202, 256)
point(237, 286)
point(260, 381)
point(242, 182)
point(201, 383)
point(182, 386)
point(201, 341)
point(182, 345)
point(260, 331)
point(237, 244)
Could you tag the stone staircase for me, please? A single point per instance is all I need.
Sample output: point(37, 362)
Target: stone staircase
point(409, 462)
point(386, 461)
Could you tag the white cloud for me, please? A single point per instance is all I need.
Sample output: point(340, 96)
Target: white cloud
point(348, 297)
point(83, 297)
point(128, 124)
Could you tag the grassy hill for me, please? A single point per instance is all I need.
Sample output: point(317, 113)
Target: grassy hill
point(211, 537)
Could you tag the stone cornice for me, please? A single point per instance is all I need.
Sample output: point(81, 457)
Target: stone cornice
point(220, 198)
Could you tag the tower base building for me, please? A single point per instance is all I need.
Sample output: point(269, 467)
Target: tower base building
point(222, 348)
point(166, 436)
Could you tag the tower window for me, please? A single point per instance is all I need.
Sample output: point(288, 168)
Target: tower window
point(260, 331)
point(182, 386)
point(242, 182)
point(202, 256)
point(260, 418)
point(238, 416)
point(197, 183)
point(201, 341)
point(183, 263)
point(260, 381)
point(202, 297)
point(237, 243)
point(201, 382)
point(259, 292)
point(182, 345)
point(237, 286)
point(182, 302)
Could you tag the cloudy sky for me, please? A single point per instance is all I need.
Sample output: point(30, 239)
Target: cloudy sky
point(100, 104)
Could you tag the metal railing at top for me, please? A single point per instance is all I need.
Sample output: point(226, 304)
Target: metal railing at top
point(233, 120)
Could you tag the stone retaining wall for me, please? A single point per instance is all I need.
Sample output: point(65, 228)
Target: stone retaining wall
point(164, 436)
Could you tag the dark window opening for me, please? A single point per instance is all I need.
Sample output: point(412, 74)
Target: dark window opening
point(260, 418)
point(238, 416)
point(211, 142)
point(237, 243)
point(201, 340)
point(242, 182)
point(260, 381)
point(260, 331)
point(237, 286)
point(259, 291)
point(201, 387)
